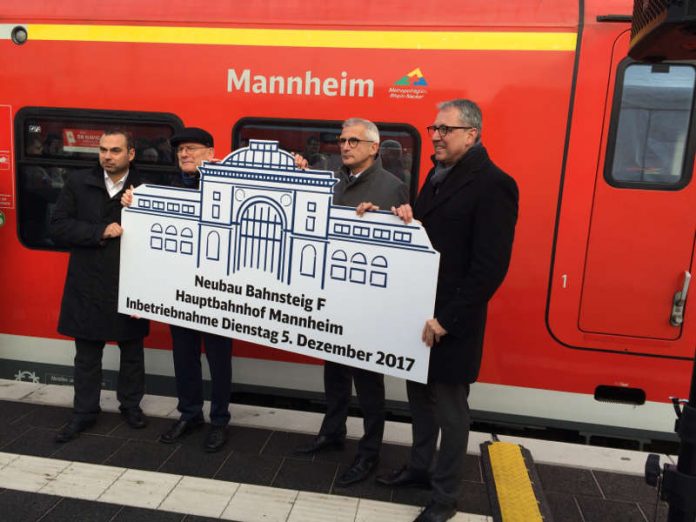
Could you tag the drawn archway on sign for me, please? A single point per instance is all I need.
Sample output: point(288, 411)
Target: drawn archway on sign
point(261, 237)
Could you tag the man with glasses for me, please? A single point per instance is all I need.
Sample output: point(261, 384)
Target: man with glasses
point(193, 146)
point(468, 207)
point(361, 180)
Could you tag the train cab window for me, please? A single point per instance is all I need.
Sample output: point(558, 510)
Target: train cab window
point(651, 127)
point(316, 141)
point(51, 143)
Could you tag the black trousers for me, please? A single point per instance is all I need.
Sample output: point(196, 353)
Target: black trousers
point(189, 378)
point(440, 407)
point(369, 386)
point(88, 377)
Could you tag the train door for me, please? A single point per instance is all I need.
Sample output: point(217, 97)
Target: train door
point(641, 237)
point(625, 261)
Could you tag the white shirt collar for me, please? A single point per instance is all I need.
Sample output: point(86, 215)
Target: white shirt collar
point(114, 188)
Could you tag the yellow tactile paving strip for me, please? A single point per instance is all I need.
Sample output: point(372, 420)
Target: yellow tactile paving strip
point(513, 486)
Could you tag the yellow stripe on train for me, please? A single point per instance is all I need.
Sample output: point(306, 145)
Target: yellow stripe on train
point(433, 40)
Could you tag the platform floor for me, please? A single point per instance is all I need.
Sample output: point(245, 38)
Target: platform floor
point(114, 473)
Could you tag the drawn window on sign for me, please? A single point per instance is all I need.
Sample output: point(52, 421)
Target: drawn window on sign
point(379, 277)
point(358, 273)
point(338, 265)
point(308, 261)
point(212, 246)
point(156, 236)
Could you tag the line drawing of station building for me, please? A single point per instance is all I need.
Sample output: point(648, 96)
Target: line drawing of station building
point(256, 210)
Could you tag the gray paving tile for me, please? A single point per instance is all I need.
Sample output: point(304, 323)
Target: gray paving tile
point(574, 481)
point(474, 499)
point(11, 432)
point(106, 423)
point(306, 476)
point(250, 469)
point(248, 440)
point(472, 469)
point(95, 449)
point(133, 514)
point(46, 417)
point(649, 511)
point(283, 444)
point(72, 509)
point(193, 461)
point(38, 442)
point(411, 496)
point(596, 509)
point(139, 454)
point(20, 506)
point(11, 411)
point(563, 507)
point(628, 488)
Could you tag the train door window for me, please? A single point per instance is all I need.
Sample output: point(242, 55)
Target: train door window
point(651, 127)
point(316, 141)
point(53, 142)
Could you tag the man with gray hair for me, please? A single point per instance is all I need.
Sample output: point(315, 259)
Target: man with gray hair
point(361, 179)
point(468, 207)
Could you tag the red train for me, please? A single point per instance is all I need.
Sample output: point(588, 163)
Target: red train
point(601, 146)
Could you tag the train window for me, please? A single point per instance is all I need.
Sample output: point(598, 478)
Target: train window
point(651, 127)
point(53, 142)
point(316, 141)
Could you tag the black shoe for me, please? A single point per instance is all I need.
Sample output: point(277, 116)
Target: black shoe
point(320, 443)
point(72, 430)
point(135, 418)
point(405, 477)
point(216, 439)
point(359, 471)
point(179, 429)
point(437, 512)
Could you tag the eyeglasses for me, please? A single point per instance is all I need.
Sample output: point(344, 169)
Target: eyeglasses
point(181, 149)
point(352, 142)
point(443, 130)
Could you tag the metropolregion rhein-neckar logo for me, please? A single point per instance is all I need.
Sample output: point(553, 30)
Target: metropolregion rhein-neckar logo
point(412, 85)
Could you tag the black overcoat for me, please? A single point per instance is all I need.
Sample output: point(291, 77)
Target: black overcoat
point(90, 297)
point(470, 219)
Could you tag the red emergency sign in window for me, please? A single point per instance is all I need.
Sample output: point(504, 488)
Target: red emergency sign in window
point(81, 140)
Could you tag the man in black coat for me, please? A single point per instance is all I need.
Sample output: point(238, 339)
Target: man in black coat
point(87, 219)
point(360, 179)
point(468, 207)
point(193, 146)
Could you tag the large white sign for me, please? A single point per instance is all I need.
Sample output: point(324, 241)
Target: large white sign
point(259, 253)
